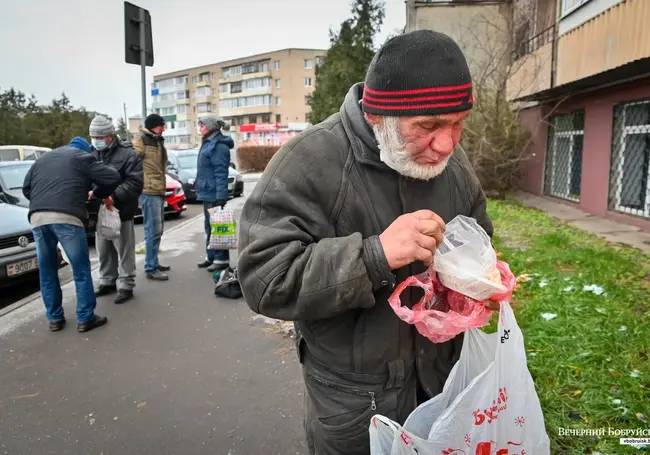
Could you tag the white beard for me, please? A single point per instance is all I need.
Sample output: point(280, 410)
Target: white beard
point(392, 151)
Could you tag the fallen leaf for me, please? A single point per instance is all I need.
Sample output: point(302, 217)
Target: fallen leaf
point(25, 396)
point(142, 404)
point(616, 374)
point(577, 393)
point(641, 417)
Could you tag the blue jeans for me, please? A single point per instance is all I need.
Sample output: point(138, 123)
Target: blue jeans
point(75, 244)
point(212, 255)
point(153, 214)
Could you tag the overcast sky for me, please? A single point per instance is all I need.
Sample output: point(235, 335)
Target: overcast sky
point(77, 46)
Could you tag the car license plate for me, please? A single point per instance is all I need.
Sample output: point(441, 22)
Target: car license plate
point(19, 268)
point(166, 204)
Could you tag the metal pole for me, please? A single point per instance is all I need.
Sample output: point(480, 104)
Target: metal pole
point(143, 64)
point(126, 122)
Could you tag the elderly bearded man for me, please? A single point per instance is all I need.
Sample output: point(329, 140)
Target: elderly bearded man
point(348, 209)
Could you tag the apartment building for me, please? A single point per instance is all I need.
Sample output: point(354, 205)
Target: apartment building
point(262, 94)
point(480, 27)
point(581, 73)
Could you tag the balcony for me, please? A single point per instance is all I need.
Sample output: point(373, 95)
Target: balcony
point(616, 37)
point(202, 83)
point(203, 99)
point(183, 101)
point(165, 103)
point(262, 91)
point(177, 131)
point(532, 67)
point(244, 111)
point(243, 77)
point(205, 114)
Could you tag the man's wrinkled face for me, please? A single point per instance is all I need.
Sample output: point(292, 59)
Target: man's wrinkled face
point(418, 147)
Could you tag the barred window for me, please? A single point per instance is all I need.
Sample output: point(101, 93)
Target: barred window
point(563, 168)
point(629, 181)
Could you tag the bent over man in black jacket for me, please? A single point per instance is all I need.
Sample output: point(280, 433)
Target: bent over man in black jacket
point(117, 257)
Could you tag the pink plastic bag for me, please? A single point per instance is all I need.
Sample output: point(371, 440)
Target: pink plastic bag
point(441, 314)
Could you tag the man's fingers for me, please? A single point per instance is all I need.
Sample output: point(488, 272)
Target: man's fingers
point(425, 255)
point(426, 242)
point(429, 216)
point(430, 227)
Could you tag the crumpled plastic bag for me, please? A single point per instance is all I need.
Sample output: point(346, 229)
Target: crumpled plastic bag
point(443, 313)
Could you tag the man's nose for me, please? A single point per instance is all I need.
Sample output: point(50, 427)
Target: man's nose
point(443, 141)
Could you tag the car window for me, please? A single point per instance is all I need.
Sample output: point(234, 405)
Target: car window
point(29, 154)
point(187, 161)
point(12, 177)
point(9, 155)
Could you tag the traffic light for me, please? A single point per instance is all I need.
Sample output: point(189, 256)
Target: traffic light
point(132, 34)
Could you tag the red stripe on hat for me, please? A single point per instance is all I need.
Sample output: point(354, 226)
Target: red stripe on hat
point(413, 106)
point(449, 88)
point(419, 98)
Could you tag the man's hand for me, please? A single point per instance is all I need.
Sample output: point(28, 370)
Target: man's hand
point(91, 195)
point(108, 202)
point(220, 203)
point(412, 237)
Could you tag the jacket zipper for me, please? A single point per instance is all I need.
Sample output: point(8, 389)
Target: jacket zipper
point(373, 402)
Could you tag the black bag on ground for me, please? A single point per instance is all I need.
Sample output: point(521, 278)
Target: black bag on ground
point(227, 285)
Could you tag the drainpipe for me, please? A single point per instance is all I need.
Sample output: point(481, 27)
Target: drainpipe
point(410, 15)
point(554, 55)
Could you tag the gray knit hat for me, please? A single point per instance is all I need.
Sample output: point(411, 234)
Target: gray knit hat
point(214, 123)
point(101, 126)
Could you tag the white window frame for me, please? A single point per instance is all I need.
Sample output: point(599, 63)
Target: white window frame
point(309, 82)
point(278, 101)
point(552, 191)
point(569, 9)
point(276, 65)
point(635, 129)
point(277, 83)
point(309, 64)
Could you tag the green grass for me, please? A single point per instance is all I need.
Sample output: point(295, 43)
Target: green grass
point(595, 351)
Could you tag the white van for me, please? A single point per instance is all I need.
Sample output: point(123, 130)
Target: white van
point(21, 152)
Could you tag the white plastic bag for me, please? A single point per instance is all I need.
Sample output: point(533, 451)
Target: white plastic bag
point(466, 261)
point(108, 223)
point(488, 405)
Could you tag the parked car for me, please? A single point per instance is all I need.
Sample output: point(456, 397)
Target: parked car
point(12, 177)
point(182, 166)
point(18, 260)
point(174, 199)
point(21, 152)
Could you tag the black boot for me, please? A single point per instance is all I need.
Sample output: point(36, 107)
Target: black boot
point(164, 268)
point(105, 289)
point(204, 263)
point(123, 295)
point(55, 326)
point(96, 321)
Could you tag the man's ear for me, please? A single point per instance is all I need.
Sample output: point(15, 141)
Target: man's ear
point(373, 119)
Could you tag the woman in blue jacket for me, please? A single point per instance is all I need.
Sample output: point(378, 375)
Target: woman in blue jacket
point(212, 182)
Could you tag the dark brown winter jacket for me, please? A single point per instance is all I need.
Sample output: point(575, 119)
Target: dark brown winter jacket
point(310, 253)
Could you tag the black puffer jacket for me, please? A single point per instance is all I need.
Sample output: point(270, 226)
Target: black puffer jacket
point(121, 156)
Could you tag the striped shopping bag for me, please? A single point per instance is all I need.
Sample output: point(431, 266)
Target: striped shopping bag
point(223, 229)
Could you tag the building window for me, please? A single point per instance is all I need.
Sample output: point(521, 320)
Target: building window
point(563, 169)
point(278, 118)
point(266, 118)
point(277, 83)
point(248, 68)
point(245, 101)
point(308, 64)
point(265, 67)
point(278, 101)
point(570, 5)
point(308, 82)
point(629, 181)
point(236, 87)
point(308, 117)
point(181, 109)
point(203, 107)
point(320, 60)
point(307, 99)
point(194, 79)
point(276, 65)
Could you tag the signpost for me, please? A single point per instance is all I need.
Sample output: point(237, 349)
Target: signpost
point(138, 44)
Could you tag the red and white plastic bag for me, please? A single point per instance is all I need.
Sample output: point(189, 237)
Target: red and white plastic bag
point(488, 405)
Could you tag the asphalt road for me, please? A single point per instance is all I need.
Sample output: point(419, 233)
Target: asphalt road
point(175, 371)
point(15, 293)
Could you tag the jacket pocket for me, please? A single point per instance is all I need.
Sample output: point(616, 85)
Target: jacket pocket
point(343, 408)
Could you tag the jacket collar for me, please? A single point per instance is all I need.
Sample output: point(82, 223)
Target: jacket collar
point(358, 130)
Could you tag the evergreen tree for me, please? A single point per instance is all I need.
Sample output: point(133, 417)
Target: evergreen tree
point(351, 51)
point(122, 130)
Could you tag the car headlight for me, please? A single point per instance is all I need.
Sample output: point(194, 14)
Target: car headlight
point(239, 178)
point(179, 191)
point(191, 181)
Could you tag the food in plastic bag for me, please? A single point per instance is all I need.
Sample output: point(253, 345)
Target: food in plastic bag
point(442, 314)
point(223, 229)
point(108, 223)
point(488, 404)
point(466, 261)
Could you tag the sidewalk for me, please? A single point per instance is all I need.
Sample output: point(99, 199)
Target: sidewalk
point(175, 371)
point(604, 228)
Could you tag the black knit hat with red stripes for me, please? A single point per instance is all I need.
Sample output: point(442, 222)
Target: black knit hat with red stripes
point(418, 73)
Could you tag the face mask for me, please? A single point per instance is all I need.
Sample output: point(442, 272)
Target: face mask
point(99, 144)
